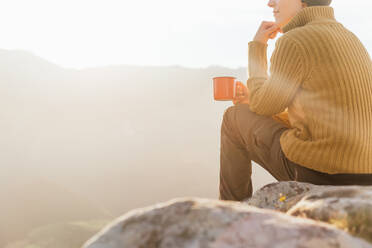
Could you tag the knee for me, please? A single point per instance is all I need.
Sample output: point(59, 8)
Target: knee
point(233, 110)
point(229, 121)
point(228, 116)
point(228, 112)
point(238, 119)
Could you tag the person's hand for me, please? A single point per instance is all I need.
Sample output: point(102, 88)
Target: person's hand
point(267, 30)
point(242, 94)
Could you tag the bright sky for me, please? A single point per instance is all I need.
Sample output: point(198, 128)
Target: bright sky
point(191, 33)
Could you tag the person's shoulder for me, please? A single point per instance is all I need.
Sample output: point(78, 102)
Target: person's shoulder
point(289, 38)
point(299, 37)
point(296, 34)
point(290, 41)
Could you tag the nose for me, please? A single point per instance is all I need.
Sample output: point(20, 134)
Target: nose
point(271, 3)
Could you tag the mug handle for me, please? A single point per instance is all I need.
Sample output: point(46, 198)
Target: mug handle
point(234, 91)
point(235, 83)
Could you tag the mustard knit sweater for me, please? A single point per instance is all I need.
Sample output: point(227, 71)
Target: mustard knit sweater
point(322, 70)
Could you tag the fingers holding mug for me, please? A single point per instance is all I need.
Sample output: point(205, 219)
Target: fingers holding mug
point(238, 89)
point(240, 93)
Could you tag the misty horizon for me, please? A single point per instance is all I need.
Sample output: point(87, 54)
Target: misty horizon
point(104, 140)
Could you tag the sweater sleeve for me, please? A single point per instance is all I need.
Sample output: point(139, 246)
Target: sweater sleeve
point(272, 94)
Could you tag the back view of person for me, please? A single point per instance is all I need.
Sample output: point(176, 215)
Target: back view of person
point(321, 76)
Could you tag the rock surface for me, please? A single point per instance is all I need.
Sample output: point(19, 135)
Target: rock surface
point(197, 222)
point(346, 207)
point(281, 195)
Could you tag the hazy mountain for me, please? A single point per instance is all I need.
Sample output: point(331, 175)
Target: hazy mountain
point(121, 136)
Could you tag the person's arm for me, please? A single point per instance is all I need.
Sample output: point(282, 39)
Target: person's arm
point(272, 94)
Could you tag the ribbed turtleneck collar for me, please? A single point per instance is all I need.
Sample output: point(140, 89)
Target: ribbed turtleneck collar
point(309, 14)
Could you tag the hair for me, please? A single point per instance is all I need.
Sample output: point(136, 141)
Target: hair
point(317, 2)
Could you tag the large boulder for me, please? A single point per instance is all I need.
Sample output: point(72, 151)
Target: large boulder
point(197, 222)
point(346, 207)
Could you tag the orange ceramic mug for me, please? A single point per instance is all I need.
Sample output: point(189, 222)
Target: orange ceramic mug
point(224, 88)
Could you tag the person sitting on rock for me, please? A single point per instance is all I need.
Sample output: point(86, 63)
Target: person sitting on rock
point(310, 120)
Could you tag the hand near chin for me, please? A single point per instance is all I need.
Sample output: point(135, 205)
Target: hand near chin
point(242, 94)
point(267, 30)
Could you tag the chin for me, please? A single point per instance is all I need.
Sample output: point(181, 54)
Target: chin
point(278, 22)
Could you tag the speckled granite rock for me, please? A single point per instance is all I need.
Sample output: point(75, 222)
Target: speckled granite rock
point(204, 223)
point(280, 195)
point(346, 207)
